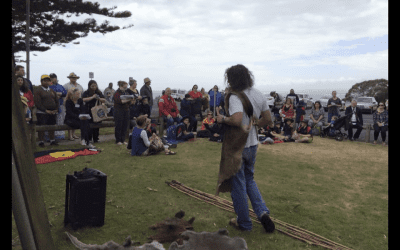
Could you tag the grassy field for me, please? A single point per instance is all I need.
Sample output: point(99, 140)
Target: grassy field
point(338, 190)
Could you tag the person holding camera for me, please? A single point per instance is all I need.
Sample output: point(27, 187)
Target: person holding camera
point(168, 108)
point(90, 97)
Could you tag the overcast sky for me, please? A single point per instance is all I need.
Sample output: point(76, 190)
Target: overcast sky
point(304, 45)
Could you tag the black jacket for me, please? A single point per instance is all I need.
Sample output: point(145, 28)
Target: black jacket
point(349, 113)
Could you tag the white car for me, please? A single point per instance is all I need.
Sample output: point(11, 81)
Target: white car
point(178, 95)
point(307, 100)
point(324, 101)
point(368, 104)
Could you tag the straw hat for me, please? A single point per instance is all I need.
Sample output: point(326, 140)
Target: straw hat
point(73, 75)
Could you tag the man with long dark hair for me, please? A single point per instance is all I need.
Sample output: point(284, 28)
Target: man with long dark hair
point(244, 104)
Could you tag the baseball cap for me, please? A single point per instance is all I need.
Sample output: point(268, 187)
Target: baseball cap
point(44, 76)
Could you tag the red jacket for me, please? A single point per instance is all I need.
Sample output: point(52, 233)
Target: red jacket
point(29, 96)
point(165, 106)
point(195, 95)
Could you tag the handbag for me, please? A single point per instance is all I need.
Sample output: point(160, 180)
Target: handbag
point(99, 112)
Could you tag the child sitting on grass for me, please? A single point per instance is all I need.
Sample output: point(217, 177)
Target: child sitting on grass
point(304, 133)
point(185, 135)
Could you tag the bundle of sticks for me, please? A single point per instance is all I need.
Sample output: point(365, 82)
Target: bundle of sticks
point(283, 227)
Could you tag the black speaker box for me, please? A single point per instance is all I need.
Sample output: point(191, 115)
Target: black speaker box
point(85, 198)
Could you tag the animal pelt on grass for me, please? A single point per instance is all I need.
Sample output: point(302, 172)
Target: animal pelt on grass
point(111, 245)
point(209, 241)
point(169, 230)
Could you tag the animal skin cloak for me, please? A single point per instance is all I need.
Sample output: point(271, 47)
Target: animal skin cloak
point(235, 139)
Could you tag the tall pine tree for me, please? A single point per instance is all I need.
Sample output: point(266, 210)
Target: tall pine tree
point(49, 22)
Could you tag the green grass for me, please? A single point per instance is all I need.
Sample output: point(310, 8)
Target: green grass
point(338, 190)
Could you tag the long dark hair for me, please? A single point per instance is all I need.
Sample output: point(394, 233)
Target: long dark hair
point(239, 77)
point(320, 106)
point(97, 88)
point(24, 88)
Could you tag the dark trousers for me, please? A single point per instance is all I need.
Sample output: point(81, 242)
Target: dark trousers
point(186, 137)
point(381, 130)
point(121, 119)
point(83, 125)
point(358, 132)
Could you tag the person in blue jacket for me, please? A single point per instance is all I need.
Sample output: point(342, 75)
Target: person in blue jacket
point(186, 110)
point(218, 98)
point(61, 93)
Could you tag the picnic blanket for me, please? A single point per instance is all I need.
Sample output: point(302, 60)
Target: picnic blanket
point(48, 156)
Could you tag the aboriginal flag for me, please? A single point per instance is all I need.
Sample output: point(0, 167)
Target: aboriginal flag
point(48, 156)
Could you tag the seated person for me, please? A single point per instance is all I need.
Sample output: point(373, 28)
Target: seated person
point(216, 132)
point(209, 120)
point(186, 110)
point(331, 131)
point(109, 102)
point(143, 146)
point(168, 109)
point(145, 107)
point(74, 107)
point(304, 133)
point(300, 111)
point(287, 130)
point(185, 134)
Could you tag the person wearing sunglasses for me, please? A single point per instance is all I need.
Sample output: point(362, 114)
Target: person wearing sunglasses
point(380, 118)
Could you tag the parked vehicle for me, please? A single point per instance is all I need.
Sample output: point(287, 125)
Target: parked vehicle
point(178, 95)
point(324, 101)
point(307, 100)
point(367, 104)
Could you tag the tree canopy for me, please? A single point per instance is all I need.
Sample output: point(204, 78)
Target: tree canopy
point(377, 88)
point(49, 25)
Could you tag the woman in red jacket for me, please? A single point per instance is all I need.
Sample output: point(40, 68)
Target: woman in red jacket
point(194, 93)
point(25, 91)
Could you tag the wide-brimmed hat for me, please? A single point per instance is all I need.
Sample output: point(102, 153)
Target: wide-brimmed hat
point(73, 75)
point(147, 80)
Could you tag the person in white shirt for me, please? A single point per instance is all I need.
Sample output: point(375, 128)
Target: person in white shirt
point(240, 91)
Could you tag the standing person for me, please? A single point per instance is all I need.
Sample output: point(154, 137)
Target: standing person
point(90, 97)
point(25, 91)
point(168, 109)
point(186, 110)
point(205, 101)
point(215, 98)
point(354, 120)
point(20, 71)
point(74, 106)
point(197, 97)
point(46, 102)
point(109, 88)
point(121, 112)
point(137, 105)
point(294, 97)
point(239, 149)
point(334, 105)
point(61, 93)
point(72, 84)
point(278, 103)
point(380, 118)
point(147, 91)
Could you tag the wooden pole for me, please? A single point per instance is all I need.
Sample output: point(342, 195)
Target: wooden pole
point(367, 133)
point(27, 173)
point(27, 36)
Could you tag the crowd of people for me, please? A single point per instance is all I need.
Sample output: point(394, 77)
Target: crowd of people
point(70, 104)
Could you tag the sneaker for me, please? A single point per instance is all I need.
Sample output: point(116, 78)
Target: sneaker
point(267, 223)
point(41, 144)
point(119, 143)
point(233, 223)
point(53, 143)
point(83, 143)
point(90, 146)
